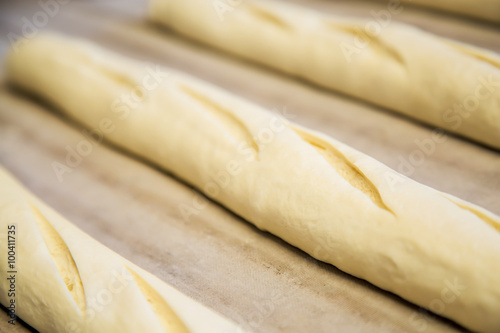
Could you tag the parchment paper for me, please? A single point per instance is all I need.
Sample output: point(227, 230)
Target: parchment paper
point(215, 257)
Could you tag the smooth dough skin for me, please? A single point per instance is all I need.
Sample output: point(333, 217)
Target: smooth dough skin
point(482, 9)
point(67, 282)
point(435, 80)
point(331, 201)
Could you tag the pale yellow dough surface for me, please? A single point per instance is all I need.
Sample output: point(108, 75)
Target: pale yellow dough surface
point(333, 202)
point(67, 282)
point(435, 80)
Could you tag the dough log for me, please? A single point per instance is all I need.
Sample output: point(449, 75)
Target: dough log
point(432, 79)
point(64, 281)
point(318, 194)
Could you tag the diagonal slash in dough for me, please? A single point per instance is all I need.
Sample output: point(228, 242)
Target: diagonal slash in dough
point(62, 258)
point(344, 168)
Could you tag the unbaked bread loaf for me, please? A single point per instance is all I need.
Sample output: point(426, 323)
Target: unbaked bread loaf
point(488, 10)
point(58, 279)
point(316, 193)
point(432, 79)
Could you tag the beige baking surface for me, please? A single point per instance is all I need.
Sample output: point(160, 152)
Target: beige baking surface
point(217, 258)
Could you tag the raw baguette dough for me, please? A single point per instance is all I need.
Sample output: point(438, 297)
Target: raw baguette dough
point(68, 282)
point(316, 193)
point(398, 67)
point(482, 9)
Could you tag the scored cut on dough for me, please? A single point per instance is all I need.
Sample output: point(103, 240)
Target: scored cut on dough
point(67, 282)
point(435, 80)
point(482, 9)
point(318, 194)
